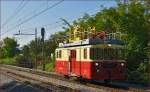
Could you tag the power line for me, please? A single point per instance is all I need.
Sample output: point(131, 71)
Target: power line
point(45, 25)
point(50, 24)
point(28, 14)
point(35, 15)
point(18, 9)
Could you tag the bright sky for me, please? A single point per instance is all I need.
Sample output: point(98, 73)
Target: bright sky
point(69, 10)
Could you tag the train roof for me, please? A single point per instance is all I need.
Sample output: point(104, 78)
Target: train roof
point(92, 41)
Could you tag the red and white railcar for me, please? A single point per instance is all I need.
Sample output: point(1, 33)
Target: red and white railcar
point(93, 59)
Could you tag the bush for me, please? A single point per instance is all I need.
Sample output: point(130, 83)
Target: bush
point(140, 75)
point(24, 61)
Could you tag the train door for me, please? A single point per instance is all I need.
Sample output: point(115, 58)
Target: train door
point(72, 61)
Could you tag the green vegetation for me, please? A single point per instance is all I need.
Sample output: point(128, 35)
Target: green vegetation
point(9, 61)
point(8, 51)
point(131, 19)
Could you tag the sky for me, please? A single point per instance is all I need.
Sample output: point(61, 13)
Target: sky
point(13, 12)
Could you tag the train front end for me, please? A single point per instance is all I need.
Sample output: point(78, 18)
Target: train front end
point(108, 62)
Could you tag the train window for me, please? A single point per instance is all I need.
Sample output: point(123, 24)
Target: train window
point(101, 53)
point(119, 53)
point(91, 53)
point(106, 53)
point(96, 53)
point(60, 52)
point(123, 53)
point(85, 53)
point(57, 54)
point(111, 53)
point(115, 54)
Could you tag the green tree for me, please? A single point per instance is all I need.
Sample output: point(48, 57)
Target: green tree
point(10, 47)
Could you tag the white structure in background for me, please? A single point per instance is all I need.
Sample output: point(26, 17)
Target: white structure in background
point(1, 43)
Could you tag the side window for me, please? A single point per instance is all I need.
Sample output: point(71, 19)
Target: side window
point(85, 53)
point(123, 53)
point(57, 54)
point(115, 53)
point(105, 53)
point(96, 54)
point(100, 53)
point(60, 52)
point(91, 53)
point(111, 53)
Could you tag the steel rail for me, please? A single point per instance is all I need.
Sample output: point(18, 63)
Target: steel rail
point(106, 87)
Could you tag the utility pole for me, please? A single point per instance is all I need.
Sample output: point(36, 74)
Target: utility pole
point(35, 34)
point(36, 43)
point(43, 56)
point(0, 23)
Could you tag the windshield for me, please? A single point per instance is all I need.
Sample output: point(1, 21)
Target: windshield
point(107, 53)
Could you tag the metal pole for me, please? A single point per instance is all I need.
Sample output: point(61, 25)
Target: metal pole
point(43, 58)
point(43, 55)
point(36, 47)
point(0, 23)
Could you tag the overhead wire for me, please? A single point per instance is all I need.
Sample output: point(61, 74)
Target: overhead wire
point(50, 24)
point(30, 13)
point(45, 25)
point(35, 15)
point(52, 28)
point(17, 11)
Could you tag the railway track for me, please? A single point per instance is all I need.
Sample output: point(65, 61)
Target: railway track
point(52, 81)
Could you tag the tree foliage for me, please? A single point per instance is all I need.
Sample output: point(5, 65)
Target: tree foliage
point(10, 48)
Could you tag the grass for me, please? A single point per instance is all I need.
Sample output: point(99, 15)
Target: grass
point(49, 66)
point(9, 61)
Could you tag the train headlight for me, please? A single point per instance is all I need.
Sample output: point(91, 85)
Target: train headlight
point(96, 64)
point(109, 45)
point(122, 64)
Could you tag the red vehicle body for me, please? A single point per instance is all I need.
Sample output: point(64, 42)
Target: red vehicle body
point(98, 61)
